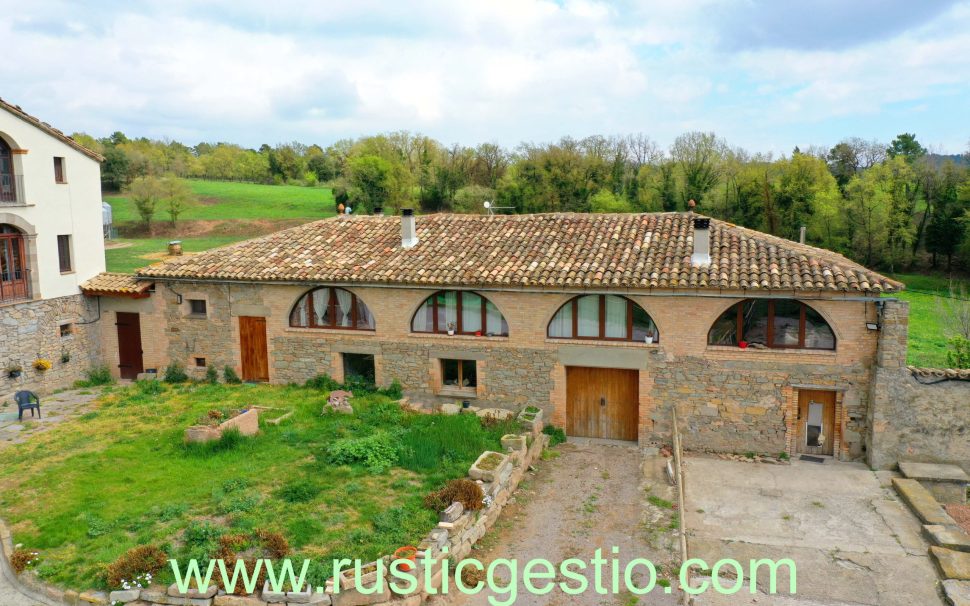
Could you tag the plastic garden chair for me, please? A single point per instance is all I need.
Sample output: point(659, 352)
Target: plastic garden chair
point(27, 400)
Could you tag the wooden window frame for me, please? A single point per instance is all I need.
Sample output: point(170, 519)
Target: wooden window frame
point(60, 172)
point(459, 328)
point(574, 302)
point(198, 314)
point(307, 299)
point(64, 253)
point(770, 332)
point(461, 362)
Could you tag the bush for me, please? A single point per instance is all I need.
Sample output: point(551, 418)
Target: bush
point(463, 490)
point(299, 492)
point(144, 559)
point(393, 391)
point(175, 373)
point(200, 533)
point(96, 375)
point(556, 434)
point(959, 354)
point(323, 383)
point(376, 452)
point(22, 559)
point(229, 376)
point(211, 375)
point(274, 544)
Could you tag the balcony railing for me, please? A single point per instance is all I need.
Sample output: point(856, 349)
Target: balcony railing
point(12, 189)
point(15, 285)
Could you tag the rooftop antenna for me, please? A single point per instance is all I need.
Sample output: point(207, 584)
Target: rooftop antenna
point(491, 209)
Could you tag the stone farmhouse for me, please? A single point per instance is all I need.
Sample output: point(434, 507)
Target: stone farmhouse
point(50, 222)
point(603, 321)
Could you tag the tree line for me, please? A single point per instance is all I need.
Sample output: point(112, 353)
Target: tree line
point(893, 206)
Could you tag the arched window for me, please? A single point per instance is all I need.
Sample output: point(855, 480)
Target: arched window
point(464, 312)
point(8, 186)
point(603, 317)
point(13, 264)
point(775, 323)
point(331, 307)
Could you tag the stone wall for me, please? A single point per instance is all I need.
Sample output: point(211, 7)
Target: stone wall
point(32, 330)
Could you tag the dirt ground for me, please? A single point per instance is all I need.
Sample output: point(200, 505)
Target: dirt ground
point(589, 496)
point(961, 514)
point(852, 540)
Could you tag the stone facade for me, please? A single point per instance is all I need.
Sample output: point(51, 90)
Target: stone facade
point(730, 399)
point(32, 330)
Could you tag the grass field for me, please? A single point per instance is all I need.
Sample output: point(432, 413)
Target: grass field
point(221, 200)
point(226, 213)
point(88, 490)
point(927, 332)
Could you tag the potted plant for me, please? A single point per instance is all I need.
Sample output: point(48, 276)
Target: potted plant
point(478, 333)
point(649, 338)
point(743, 344)
point(42, 364)
point(451, 328)
point(14, 370)
point(65, 357)
point(408, 553)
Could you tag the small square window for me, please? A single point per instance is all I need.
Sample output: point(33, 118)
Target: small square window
point(66, 330)
point(200, 362)
point(59, 176)
point(197, 307)
point(459, 374)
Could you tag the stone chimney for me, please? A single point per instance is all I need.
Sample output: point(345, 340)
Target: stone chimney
point(702, 242)
point(409, 232)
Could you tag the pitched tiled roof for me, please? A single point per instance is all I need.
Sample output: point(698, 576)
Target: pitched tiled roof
point(958, 374)
point(561, 250)
point(117, 284)
point(50, 130)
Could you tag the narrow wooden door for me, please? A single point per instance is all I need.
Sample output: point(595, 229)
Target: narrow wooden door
point(816, 422)
point(602, 402)
point(130, 361)
point(252, 348)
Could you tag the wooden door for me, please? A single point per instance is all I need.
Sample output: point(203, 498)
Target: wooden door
point(816, 422)
point(252, 348)
point(130, 361)
point(602, 402)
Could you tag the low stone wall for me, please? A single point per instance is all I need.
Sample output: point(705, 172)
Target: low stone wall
point(247, 423)
point(33, 329)
point(919, 417)
point(458, 531)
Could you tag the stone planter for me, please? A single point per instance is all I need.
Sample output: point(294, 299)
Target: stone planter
point(531, 419)
point(247, 423)
point(489, 467)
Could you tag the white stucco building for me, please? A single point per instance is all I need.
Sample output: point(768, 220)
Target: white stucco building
point(51, 240)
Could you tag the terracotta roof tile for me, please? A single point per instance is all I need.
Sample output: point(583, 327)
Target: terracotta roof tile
point(109, 283)
point(650, 250)
point(958, 374)
point(50, 130)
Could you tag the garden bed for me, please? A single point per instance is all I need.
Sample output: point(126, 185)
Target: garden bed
point(333, 486)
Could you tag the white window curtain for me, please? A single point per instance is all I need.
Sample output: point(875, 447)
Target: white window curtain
point(494, 322)
point(364, 317)
point(299, 315)
point(424, 318)
point(588, 316)
point(471, 312)
point(562, 323)
point(321, 298)
point(615, 317)
point(447, 310)
point(343, 310)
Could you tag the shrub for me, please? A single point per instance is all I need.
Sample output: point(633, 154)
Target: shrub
point(274, 544)
point(556, 434)
point(376, 452)
point(175, 373)
point(463, 490)
point(299, 492)
point(393, 391)
point(149, 387)
point(96, 375)
point(211, 375)
point(200, 533)
point(229, 376)
point(959, 354)
point(323, 383)
point(22, 559)
point(141, 560)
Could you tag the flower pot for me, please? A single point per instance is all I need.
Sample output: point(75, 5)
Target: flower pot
point(648, 340)
point(451, 333)
point(408, 553)
point(13, 374)
point(478, 333)
point(743, 344)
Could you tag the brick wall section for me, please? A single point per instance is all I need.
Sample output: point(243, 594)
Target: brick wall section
point(32, 329)
point(729, 399)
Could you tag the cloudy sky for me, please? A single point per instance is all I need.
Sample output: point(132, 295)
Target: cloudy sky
point(764, 74)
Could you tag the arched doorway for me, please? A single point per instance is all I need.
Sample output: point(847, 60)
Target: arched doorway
point(14, 278)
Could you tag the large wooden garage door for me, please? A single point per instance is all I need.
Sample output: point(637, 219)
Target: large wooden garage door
point(602, 402)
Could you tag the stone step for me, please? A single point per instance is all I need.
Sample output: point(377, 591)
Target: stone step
point(952, 564)
point(936, 472)
point(950, 537)
point(957, 592)
point(926, 508)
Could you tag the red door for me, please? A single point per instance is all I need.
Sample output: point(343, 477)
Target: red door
point(130, 361)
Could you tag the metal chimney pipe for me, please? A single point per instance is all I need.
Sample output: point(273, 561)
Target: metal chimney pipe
point(409, 232)
point(801, 235)
point(702, 242)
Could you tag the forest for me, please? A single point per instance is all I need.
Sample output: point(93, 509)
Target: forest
point(892, 206)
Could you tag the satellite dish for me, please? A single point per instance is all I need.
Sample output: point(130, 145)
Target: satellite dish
point(488, 204)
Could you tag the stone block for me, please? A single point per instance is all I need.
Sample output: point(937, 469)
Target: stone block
point(193, 592)
point(271, 596)
point(489, 466)
point(452, 512)
point(93, 597)
point(950, 537)
point(124, 595)
point(237, 600)
point(957, 592)
point(952, 564)
point(161, 597)
point(352, 597)
point(926, 508)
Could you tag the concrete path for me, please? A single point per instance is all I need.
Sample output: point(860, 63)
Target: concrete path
point(591, 496)
point(853, 542)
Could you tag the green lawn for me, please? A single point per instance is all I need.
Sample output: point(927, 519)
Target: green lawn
point(927, 335)
point(138, 255)
point(221, 200)
point(93, 487)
